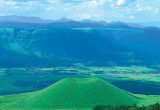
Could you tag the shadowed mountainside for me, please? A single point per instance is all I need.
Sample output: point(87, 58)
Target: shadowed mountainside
point(66, 43)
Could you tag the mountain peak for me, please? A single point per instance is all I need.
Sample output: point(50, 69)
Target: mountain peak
point(64, 19)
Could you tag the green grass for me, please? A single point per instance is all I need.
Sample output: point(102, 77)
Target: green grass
point(9, 77)
point(75, 93)
point(71, 93)
point(148, 100)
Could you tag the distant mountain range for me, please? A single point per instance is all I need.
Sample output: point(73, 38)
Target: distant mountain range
point(36, 20)
point(23, 19)
point(66, 42)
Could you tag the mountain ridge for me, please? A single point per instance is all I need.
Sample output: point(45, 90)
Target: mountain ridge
point(31, 21)
point(23, 19)
point(60, 43)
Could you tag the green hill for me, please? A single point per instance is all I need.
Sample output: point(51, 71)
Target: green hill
point(74, 93)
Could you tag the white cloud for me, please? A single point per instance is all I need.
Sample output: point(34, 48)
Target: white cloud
point(120, 2)
point(143, 8)
point(84, 9)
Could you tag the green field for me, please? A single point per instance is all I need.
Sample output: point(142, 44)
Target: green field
point(20, 80)
point(75, 93)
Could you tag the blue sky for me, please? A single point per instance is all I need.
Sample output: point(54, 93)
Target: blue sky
point(106, 10)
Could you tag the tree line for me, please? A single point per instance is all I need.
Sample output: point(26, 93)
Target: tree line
point(151, 107)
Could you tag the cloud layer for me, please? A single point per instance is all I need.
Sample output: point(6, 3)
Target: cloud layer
point(108, 10)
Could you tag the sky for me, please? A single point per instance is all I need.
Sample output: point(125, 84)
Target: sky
point(100, 10)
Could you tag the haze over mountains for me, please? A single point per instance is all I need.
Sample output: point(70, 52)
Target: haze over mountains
point(66, 42)
point(25, 19)
point(14, 18)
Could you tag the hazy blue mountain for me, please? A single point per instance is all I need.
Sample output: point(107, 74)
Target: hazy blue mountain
point(23, 19)
point(64, 20)
point(69, 42)
point(62, 23)
point(73, 44)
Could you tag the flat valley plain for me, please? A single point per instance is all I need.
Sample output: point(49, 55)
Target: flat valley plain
point(135, 79)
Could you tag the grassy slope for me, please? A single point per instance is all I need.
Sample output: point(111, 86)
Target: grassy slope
point(148, 100)
point(73, 93)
